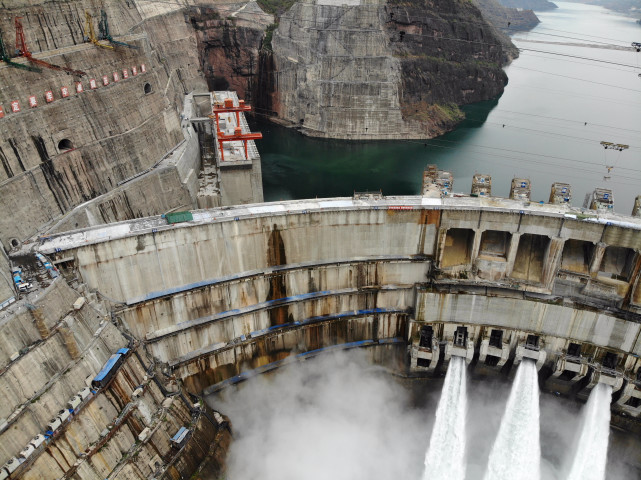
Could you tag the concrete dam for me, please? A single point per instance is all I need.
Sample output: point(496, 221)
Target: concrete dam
point(493, 280)
point(418, 281)
point(141, 271)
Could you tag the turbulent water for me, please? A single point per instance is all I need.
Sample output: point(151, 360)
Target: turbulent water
point(516, 453)
point(590, 459)
point(445, 457)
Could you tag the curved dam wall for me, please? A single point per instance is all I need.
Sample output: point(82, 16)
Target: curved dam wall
point(243, 289)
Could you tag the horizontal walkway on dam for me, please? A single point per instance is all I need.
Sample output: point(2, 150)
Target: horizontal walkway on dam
point(271, 270)
point(105, 233)
point(301, 356)
point(279, 328)
point(183, 326)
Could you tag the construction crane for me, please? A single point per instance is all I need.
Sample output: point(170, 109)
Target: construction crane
point(22, 50)
point(103, 29)
point(227, 106)
point(4, 56)
point(90, 34)
point(238, 135)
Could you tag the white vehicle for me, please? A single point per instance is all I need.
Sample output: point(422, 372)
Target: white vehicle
point(28, 450)
point(84, 393)
point(63, 415)
point(74, 402)
point(53, 425)
point(38, 440)
point(11, 465)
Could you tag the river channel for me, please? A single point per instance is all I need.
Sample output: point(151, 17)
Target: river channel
point(558, 106)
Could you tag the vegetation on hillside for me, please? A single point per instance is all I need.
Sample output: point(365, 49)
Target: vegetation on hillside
point(276, 7)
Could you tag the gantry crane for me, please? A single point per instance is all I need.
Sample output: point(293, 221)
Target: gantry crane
point(103, 32)
point(238, 135)
point(22, 50)
point(90, 34)
point(4, 56)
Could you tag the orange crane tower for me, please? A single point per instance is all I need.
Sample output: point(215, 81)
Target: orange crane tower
point(228, 107)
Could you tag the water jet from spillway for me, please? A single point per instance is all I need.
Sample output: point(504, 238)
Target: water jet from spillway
point(445, 457)
point(591, 454)
point(516, 453)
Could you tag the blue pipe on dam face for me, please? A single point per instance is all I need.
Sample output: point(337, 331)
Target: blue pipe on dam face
point(309, 321)
point(266, 271)
point(300, 356)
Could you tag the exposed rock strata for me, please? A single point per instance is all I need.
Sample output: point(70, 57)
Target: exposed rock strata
point(383, 70)
point(229, 40)
point(113, 132)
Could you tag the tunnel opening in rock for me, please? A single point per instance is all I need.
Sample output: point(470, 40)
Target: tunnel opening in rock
point(65, 145)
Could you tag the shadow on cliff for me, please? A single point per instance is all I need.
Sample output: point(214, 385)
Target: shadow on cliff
point(476, 113)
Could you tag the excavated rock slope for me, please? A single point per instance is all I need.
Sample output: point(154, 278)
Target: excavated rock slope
point(383, 70)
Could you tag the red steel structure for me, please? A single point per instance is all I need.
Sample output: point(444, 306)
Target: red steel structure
point(228, 107)
point(22, 50)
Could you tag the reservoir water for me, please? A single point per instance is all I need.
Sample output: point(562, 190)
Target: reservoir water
point(547, 125)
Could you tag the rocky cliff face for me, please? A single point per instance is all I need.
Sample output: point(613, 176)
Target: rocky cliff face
point(68, 148)
point(444, 62)
point(229, 40)
point(383, 70)
point(506, 18)
point(539, 5)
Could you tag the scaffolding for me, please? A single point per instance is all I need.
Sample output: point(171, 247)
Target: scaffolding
point(90, 34)
point(227, 106)
point(103, 32)
point(4, 56)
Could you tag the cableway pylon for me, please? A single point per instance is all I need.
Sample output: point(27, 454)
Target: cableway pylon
point(4, 56)
point(103, 32)
point(90, 34)
point(22, 50)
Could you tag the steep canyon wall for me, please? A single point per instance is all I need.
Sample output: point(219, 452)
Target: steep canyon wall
point(68, 144)
point(383, 70)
